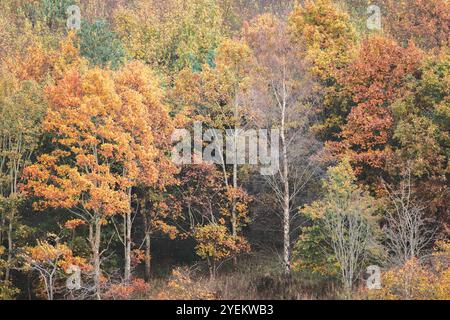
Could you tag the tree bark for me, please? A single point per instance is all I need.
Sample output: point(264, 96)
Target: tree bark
point(127, 246)
point(286, 197)
point(235, 184)
point(95, 234)
point(10, 246)
point(148, 257)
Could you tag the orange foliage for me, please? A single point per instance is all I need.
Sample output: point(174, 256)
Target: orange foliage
point(426, 22)
point(137, 289)
point(105, 128)
point(72, 224)
point(418, 281)
point(46, 255)
point(214, 243)
point(374, 81)
point(40, 64)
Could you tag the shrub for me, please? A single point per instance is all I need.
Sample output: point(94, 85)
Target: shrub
point(415, 280)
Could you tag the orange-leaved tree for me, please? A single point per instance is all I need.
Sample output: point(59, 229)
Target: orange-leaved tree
point(423, 21)
point(215, 244)
point(52, 262)
point(147, 122)
point(102, 146)
point(374, 80)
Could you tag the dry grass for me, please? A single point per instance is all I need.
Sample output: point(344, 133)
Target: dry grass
point(255, 278)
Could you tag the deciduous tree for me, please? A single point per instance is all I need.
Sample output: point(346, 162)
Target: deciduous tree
point(22, 109)
point(279, 94)
point(374, 80)
point(347, 224)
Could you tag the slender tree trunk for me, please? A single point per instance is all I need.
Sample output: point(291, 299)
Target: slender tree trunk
point(127, 246)
point(50, 280)
point(235, 184)
point(95, 243)
point(286, 199)
point(233, 203)
point(2, 223)
point(348, 287)
point(212, 269)
point(148, 256)
point(10, 246)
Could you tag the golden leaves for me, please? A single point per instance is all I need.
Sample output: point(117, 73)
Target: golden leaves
point(106, 127)
point(72, 224)
point(414, 281)
point(214, 241)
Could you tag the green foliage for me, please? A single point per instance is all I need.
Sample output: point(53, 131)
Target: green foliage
point(54, 12)
point(343, 204)
point(312, 253)
point(100, 45)
point(422, 132)
point(21, 109)
point(177, 35)
point(423, 119)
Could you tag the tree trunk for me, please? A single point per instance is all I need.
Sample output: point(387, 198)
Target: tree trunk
point(127, 246)
point(212, 269)
point(235, 183)
point(148, 257)
point(286, 230)
point(50, 292)
point(286, 199)
point(95, 243)
point(233, 208)
point(348, 287)
point(233, 204)
point(10, 246)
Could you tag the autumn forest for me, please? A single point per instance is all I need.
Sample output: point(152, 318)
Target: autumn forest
point(224, 150)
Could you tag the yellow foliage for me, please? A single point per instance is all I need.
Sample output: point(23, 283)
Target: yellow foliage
point(417, 281)
point(214, 242)
point(48, 256)
point(170, 35)
point(182, 287)
point(328, 34)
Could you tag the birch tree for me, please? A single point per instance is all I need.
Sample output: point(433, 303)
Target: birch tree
point(280, 94)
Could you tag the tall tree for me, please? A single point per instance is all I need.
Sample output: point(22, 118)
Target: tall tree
point(147, 122)
point(22, 109)
point(80, 173)
point(330, 41)
point(101, 149)
point(280, 93)
point(216, 96)
point(421, 135)
point(374, 80)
